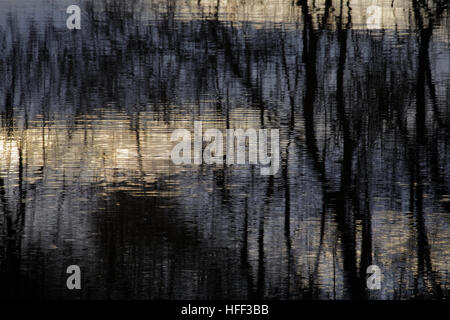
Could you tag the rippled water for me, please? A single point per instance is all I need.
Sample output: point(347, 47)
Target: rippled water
point(86, 178)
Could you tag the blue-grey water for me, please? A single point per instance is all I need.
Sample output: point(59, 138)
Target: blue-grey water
point(86, 178)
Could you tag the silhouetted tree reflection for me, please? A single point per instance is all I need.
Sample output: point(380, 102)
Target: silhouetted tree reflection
point(364, 177)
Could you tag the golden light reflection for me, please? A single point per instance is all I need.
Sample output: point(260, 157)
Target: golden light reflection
point(394, 14)
point(108, 149)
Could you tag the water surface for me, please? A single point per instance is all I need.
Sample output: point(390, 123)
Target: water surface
point(86, 178)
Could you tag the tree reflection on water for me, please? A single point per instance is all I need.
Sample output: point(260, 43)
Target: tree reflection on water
point(86, 178)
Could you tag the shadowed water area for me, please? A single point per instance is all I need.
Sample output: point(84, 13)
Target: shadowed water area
point(85, 170)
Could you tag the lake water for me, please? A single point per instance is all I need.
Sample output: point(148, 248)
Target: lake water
point(86, 177)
